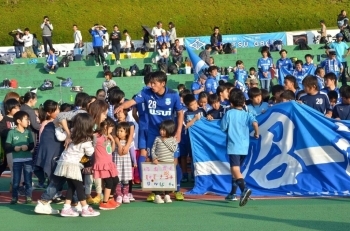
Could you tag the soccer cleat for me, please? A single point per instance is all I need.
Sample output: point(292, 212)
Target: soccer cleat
point(89, 212)
point(45, 208)
point(70, 212)
point(131, 197)
point(167, 199)
point(245, 196)
point(97, 64)
point(28, 200)
point(179, 196)
point(14, 201)
point(151, 197)
point(107, 206)
point(231, 197)
point(126, 199)
point(158, 200)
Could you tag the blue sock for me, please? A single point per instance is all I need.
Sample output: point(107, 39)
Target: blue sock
point(141, 160)
point(179, 177)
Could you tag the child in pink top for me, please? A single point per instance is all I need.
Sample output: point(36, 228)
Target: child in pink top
point(104, 167)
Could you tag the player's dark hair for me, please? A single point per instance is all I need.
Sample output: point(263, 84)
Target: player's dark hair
point(181, 86)
point(265, 95)
point(318, 70)
point(168, 126)
point(298, 62)
point(221, 82)
point(188, 99)
point(213, 98)
point(330, 76)
point(239, 62)
point(293, 80)
point(252, 69)
point(11, 104)
point(237, 99)
point(99, 91)
point(80, 98)
point(202, 95)
point(229, 85)
point(254, 92)
point(159, 76)
point(49, 106)
point(333, 95)
point(115, 97)
point(288, 95)
point(211, 68)
point(207, 46)
point(309, 55)
point(185, 92)
point(221, 89)
point(19, 116)
point(283, 50)
point(276, 89)
point(147, 78)
point(311, 82)
point(345, 91)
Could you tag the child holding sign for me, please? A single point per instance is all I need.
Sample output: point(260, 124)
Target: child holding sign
point(163, 150)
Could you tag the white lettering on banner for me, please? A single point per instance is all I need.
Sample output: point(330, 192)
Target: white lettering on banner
point(344, 144)
point(160, 112)
point(320, 155)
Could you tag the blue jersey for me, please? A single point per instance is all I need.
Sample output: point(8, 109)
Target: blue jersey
point(258, 109)
point(225, 103)
point(217, 114)
point(309, 68)
point(207, 108)
point(97, 37)
point(300, 75)
point(319, 102)
point(159, 108)
point(320, 82)
point(286, 63)
point(264, 65)
point(332, 65)
point(189, 115)
point(326, 90)
point(341, 111)
point(241, 75)
point(194, 87)
point(211, 84)
point(340, 49)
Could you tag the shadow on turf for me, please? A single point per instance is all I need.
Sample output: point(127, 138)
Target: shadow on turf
point(27, 209)
point(216, 203)
point(313, 224)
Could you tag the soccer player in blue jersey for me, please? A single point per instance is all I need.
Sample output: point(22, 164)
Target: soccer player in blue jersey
point(285, 63)
point(218, 111)
point(236, 123)
point(223, 94)
point(342, 111)
point(308, 66)
point(240, 74)
point(319, 73)
point(314, 98)
point(141, 117)
point(199, 85)
point(212, 83)
point(342, 50)
point(257, 106)
point(330, 81)
point(161, 103)
point(299, 73)
point(332, 64)
point(192, 114)
point(265, 64)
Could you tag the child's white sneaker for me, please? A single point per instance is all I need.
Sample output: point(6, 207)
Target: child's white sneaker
point(167, 199)
point(119, 199)
point(158, 200)
point(89, 212)
point(126, 199)
point(69, 212)
point(131, 197)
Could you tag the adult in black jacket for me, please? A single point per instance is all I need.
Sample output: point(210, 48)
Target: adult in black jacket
point(115, 38)
point(216, 40)
point(17, 42)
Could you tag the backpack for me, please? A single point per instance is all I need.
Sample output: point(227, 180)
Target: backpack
point(64, 62)
point(6, 83)
point(147, 69)
point(227, 48)
point(106, 68)
point(134, 69)
point(276, 46)
point(118, 72)
point(303, 46)
point(163, 67)
point(173, 69)
point(47, 85)
point(67, 83)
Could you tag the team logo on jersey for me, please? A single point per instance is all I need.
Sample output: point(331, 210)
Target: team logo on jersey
point(167, 101)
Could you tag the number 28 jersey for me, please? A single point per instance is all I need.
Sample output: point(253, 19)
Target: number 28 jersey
point(319, 102)
point(159, 107)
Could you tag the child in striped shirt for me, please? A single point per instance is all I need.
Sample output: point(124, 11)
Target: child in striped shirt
point(163, 150)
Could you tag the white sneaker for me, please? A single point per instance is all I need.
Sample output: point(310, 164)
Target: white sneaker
point(119, 199)
point(131, 197)
point(126, 199)
point(45, 208)
point(118, 62)
point(70, 212)
point(167, 199)
point(89, 212)
point(78, 208)
point(158, 200)
point(97, 64)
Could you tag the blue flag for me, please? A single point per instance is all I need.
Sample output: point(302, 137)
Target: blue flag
point(199, 65)
point(299, 152)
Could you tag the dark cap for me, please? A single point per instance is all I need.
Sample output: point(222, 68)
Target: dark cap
point(339, 35)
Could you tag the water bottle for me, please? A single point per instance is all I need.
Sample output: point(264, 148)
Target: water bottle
point(71, 98)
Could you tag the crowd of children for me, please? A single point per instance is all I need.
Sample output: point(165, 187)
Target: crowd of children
point(102, 139)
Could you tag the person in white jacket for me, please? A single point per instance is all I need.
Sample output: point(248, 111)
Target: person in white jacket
point(28, 43)
point(78, 38)
point(163, 54)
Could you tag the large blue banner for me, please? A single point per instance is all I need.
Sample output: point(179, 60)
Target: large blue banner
point(238, 40)
point(299, 152)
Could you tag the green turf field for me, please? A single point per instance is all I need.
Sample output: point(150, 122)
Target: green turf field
point(288, 214)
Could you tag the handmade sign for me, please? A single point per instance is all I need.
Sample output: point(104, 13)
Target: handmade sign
point(158, 177)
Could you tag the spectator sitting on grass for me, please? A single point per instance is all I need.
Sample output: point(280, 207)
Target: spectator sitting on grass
point(205, 55)
point(216, 40)
point(51, 62)
point(109, 82)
